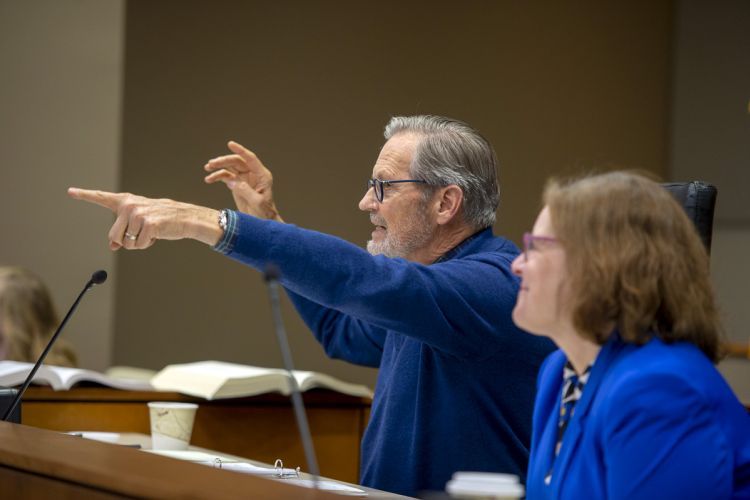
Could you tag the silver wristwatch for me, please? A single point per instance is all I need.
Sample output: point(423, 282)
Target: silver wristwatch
point(223, 219)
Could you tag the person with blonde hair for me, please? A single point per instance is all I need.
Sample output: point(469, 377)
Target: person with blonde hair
point(631, 405)
point(28, 320)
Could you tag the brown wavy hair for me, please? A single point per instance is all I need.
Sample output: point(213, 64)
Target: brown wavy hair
point(28, 319)
point(634, 260)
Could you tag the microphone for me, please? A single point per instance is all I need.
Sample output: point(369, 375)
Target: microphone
point(97, 278)
point(271, 276)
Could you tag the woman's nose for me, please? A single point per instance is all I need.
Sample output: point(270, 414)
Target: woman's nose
point(517, 265)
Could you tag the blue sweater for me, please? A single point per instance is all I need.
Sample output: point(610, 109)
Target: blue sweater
point(456, 382)
point(654, 421)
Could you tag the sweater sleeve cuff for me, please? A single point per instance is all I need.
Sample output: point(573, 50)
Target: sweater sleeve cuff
point(226, 243)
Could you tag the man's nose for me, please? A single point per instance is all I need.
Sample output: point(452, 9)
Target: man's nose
point(368, 203)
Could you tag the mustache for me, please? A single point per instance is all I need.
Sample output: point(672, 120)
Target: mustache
point(377, 221)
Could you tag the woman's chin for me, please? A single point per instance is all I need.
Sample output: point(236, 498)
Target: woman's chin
point(519, 317)
point(525, 322)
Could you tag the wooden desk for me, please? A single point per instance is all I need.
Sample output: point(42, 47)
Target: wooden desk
point(259, 427)
point(37, 463)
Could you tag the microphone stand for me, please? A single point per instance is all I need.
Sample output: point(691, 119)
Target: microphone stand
point(97, 278)
point(272, 278)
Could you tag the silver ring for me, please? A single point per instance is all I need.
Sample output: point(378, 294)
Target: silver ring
point(131, 237)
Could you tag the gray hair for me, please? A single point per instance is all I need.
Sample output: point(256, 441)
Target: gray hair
point(452, 153)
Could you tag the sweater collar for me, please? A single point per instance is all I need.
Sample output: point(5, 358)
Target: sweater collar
point(466, 243)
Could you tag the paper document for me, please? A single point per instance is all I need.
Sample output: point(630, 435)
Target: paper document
point(252, 469)
point(226, 463)
point(341, 489)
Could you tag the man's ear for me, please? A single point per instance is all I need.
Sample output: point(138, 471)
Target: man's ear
point(449, 203)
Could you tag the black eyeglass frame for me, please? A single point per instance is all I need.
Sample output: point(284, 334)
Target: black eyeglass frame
point(379, 186)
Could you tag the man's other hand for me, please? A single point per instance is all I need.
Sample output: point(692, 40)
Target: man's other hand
point(250, 182)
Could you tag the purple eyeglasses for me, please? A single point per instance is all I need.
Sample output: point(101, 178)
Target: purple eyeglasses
point(531, 241)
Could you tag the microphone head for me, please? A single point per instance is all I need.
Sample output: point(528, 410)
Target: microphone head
point(272, 272)
point(99, 277)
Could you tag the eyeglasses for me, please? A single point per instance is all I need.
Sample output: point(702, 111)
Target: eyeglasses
point(531, 242)
point(381, 185)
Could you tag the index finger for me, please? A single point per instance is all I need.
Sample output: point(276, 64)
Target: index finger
point(102, 198)
point(250, 158)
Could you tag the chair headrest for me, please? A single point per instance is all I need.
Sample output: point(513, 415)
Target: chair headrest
point(698, 199)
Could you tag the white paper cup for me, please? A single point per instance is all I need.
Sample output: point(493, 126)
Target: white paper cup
point(484, 486)
point(171, 424)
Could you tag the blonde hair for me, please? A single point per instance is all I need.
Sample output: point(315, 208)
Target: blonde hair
point(28, 319)
point(634, 260)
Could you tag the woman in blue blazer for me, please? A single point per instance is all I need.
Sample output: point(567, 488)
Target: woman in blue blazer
point(631, 406)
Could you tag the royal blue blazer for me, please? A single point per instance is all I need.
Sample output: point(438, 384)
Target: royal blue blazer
point(654, 421)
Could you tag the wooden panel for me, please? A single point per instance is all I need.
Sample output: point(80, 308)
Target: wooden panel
point(261, 428)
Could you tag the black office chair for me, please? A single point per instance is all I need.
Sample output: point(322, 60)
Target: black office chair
point(698, 199)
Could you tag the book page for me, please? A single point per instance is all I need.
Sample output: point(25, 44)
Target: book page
point(311, 380)
point(13, 373)
point(71, 376)
point(218, 379)
point(130, 373)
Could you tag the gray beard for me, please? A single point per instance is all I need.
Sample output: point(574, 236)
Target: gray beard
point(382, 248)
point(415, 233)
point(402, 246)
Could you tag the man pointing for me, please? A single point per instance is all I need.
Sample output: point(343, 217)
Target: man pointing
point(429, 303)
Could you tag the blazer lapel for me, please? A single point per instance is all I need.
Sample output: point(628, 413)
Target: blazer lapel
point(577, 424)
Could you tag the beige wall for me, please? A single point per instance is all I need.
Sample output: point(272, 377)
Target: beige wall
point(556, 87)
point(60, 87)
point(710, 140)
point(309, 85)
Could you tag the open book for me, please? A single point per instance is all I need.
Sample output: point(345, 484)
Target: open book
point(13, 373)
point(204, 379)
point(217, 379)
